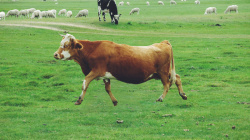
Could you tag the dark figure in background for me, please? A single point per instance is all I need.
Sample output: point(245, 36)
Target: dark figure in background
point(105, 6)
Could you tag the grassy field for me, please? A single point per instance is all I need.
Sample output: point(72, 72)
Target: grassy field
point(37, 92)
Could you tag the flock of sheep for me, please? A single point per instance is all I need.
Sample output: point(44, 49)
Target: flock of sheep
point(209, 10)
point(41, 14)
point(52, 13)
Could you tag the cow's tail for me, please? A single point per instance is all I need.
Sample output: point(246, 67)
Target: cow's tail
point(173, 74)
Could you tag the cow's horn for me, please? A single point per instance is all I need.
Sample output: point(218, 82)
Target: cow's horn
point(62, 35)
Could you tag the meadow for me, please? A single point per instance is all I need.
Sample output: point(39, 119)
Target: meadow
point(37, 92)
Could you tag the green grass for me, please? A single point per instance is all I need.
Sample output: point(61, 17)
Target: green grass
point(37, 92)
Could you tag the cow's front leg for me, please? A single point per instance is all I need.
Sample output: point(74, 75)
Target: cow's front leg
point(99, 16)
point(91, 76)
point(99, 13)
point(112, 17)
point(108, 90)
point(103, 14)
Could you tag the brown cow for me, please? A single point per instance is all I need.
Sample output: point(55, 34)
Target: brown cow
point(131, 64)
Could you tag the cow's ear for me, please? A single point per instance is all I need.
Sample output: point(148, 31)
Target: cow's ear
point(72, 40)
point(78, 46)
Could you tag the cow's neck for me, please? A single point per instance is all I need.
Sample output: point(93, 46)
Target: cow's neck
point(82, 57)
point(81, 60)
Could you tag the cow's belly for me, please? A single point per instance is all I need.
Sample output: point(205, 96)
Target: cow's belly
point(135, 74)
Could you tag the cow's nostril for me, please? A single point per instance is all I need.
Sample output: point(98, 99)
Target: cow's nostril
point(55, 55)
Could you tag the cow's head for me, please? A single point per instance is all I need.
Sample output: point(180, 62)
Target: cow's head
point(116, 18)
point(68, 48)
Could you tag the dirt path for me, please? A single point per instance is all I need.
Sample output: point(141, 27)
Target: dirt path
point(48, 26)
point(35, 26)
point(40, 24)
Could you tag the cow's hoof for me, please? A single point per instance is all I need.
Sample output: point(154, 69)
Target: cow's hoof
point(115, 103)
point(183, 95)
point(77, 103)
point(159, 100)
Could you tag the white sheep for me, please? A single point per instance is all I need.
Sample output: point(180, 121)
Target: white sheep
point(23, 13)
point(31, 10)
point(69, 14)
point(172, 2)
point(183, 0)
point(81, 13)
point(54, 12)
point(44, 14)
point(12, 13)
point(2, 15)
point(128, 3)
point(61, 12)
point(36, 14)
point(210, 10)
point(160, 3)
point(51, 14)
point(135, 10)
point(121, 3)
point(231, 8)
point(147, 3)
point(197, 2)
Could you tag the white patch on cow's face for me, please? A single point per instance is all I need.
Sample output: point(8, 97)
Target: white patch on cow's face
point(116, 17)
point(66, 55)
point(66, 38)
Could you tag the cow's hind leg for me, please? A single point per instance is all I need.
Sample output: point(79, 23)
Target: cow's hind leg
point(179, 86)
point(108, 89)
point(91, 76)
point(166, 83)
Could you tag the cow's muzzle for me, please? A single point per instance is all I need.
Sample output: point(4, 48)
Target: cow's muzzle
point(56, 55)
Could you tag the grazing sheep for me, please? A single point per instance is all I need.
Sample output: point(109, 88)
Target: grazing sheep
point(210, 10)
point(121, 3)
point(61, 12)
point(147, 3)
point(172, 2)
point(51, 14)
point(2, 15)
point(135, 10)
point(128, 3)
point(12, 13)
point(81, 13)
point(36, 14)
point(23, 13)
point(53, 11)
point(69, 14)
point(160, 3)
point(44, 14)
point(197, 2)
point(231, 8)
point(31, 10)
